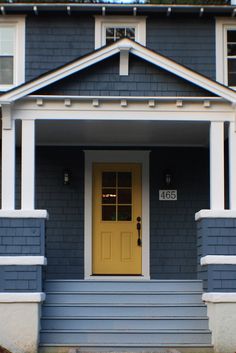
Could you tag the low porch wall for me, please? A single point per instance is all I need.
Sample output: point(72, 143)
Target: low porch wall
point(22, 250)
point(217, 236)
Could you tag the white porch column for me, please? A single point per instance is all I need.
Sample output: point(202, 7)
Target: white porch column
point(8, 165)
point(217, 194)
point(28, 165)
point(232, 166)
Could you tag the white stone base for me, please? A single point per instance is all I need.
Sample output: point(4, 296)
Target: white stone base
point(19, 327)
point(222, 323)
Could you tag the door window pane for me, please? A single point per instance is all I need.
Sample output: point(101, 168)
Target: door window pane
point(124, 179)
point(109, 213)
point(124, 213)
point(125, 196)
point(108, 179)
point(109, 196)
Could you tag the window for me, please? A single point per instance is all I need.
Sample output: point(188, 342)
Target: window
point(12, 57)
point(109, 29)
point(226, 51)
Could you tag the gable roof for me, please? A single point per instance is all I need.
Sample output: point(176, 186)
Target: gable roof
point(108, 51)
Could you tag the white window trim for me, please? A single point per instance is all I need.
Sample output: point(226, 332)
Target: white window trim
point(141, 157)
point(102, 22)
point(19, 57)
point(222, 24)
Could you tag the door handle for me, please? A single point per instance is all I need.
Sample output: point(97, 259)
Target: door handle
point(139, 241)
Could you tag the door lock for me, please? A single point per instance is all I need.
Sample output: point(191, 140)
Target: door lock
point(139, 241)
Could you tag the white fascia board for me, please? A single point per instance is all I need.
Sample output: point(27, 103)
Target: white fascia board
point(22, 297)
point(219, 297)
point(185, 73)
point(23, 260)
point(215, 214)
point(218, 260)
point(60, 73)
point(24, 214)
point(106, 52)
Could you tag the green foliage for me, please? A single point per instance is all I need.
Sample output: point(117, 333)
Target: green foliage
point(174, 2)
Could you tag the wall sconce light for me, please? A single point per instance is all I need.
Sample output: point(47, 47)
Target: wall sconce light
point(66, 177)
point(168, 177)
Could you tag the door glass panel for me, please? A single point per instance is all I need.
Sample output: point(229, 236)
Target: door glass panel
point(124, 179)
point(125, 196)
point(109, 213)
point(124, 213)
point(109, 179)
point(109, 196)
point(116, 196)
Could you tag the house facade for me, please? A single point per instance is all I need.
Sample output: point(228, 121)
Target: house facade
point(118, 178)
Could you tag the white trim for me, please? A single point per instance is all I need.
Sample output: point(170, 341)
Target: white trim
point(232, 165)
point(18, 22)
point(219, 297)
point(102, 22)
point(22, 297)
point(23, 214)
point(23, 260)
point(218, 260)
point(215, 214)
point(222, 24)
point(8, 167)
point(217, 185)
point(104, 53)
point(141, 157)
point(28, 165)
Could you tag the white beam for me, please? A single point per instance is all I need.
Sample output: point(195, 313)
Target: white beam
point(217, 166)
point(232, 166)
point(8, 167)
point(28, 165)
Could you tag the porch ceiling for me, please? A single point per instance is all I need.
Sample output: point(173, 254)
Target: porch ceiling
point(118, 133)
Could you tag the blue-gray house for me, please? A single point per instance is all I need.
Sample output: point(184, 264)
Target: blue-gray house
point(118, 183)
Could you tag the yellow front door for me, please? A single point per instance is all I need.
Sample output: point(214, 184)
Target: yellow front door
point(117, 205)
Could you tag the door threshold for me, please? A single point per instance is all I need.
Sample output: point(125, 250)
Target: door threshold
point(117, 278)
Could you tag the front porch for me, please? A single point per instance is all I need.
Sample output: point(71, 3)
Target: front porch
point(184, 144)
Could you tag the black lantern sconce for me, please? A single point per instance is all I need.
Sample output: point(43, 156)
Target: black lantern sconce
point(168, 178)
point(66, 177)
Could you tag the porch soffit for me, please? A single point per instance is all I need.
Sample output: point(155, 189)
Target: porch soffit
point(104, 53)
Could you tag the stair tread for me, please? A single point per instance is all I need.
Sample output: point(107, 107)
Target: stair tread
point(204, 345)
point(128, 331)
point(127, 304)
point(95, 292)
point(125, 317)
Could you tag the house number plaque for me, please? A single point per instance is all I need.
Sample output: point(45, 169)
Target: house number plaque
point(168, 195)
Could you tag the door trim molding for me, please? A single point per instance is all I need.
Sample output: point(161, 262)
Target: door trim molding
point(124, 156)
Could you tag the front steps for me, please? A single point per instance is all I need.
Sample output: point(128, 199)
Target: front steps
point(124, 316)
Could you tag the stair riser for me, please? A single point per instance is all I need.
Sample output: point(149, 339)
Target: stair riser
point(110, 338)
point(75, 324)
point(124, 298)
point(126, 311)
point(118, 286)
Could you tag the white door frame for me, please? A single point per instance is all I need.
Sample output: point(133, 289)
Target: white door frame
point(127, 156)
